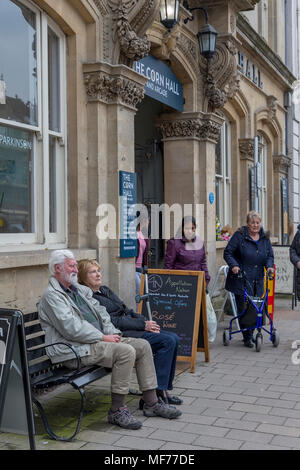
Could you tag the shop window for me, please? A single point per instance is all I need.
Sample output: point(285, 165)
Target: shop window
point(32, 127)
point(262, 179)
point(223, 176)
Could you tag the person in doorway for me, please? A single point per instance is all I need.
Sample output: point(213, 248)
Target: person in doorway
point(69, 313)
point(249, 251)
point(143, 244)
point(187, 252)
point(295, 259)
point(164, 344)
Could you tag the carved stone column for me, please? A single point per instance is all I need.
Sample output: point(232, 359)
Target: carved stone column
point(189, 158)
point(113, 94)
point(246, 148)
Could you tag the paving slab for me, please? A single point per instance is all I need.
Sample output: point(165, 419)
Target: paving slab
point(241, 400)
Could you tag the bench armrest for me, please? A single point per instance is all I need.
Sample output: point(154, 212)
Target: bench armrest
point(69, 346)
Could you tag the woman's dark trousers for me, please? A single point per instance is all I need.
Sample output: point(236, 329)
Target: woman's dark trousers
point(164, 347)
point(240, 305)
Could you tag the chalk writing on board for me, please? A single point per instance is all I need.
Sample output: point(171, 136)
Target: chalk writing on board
point(165, 320)
point(155, 282)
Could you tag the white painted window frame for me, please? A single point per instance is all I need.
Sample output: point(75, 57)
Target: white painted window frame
point(225, 199)
point(42, 238)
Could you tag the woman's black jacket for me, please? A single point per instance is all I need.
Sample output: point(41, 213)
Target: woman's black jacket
point(295, 248)
point(252, 257)
point(295, 258)
point(130, 323)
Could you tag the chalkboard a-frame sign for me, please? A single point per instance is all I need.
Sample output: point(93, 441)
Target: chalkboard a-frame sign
point(178, 304)
point(15, 395)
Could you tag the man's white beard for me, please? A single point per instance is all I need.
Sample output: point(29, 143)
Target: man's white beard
point(70, 278)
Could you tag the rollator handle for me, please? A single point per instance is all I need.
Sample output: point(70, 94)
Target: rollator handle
point(138, 298)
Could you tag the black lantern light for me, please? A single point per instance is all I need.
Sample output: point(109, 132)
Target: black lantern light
point(207, 36)
point(169, 11)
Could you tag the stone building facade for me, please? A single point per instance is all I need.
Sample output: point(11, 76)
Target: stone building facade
point(76, 123)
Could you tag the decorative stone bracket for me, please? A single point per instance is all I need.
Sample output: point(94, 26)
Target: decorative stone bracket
point(246, 147)
point(272, 105)
point(222, 73)
point(281, 164)
point(195, 125)
point(132, 46)
point(125, 23)
point(113, 84)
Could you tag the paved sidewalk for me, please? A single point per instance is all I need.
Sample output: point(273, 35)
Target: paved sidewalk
point(240, 400)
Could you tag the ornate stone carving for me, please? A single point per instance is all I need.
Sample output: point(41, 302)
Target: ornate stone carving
point(222, 74)
point(132, 47)
point(101, 7)
point(216, 97)
point(169, 44)
point(246, 147)
point(272, 104)
point(203, 129)
point(125, 23)
point(281, 164)
point(112, 89)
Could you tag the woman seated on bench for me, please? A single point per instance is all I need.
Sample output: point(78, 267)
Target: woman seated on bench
point(164, 344)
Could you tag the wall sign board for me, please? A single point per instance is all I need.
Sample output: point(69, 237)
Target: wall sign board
point(16, 414)
point(284, 270)
point(128, 198)
point(162, 84)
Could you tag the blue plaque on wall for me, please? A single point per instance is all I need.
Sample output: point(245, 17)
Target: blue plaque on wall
point(128, 198)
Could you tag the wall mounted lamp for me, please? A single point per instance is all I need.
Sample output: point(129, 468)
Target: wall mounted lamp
point(207, 36)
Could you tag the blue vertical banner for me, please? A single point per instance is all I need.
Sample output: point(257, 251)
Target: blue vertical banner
point(128, 199)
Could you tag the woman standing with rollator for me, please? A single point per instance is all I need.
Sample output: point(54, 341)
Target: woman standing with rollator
point(250, 251)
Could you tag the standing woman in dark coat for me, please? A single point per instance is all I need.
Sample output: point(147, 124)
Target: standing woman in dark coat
point(188, 251)
point(295, 259)
point(250, 251)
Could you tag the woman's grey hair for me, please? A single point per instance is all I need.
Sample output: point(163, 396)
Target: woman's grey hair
point(253, 215)
point(58, 257)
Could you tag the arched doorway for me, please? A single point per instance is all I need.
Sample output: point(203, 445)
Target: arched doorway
point(149, 166)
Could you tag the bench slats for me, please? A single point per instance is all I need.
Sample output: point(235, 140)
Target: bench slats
point(41, 370)
point(36, 339)
point(27, 317)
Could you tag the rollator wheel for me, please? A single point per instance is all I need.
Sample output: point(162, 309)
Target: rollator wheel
point(225, 338)
point(275, 338)
point(258, 342)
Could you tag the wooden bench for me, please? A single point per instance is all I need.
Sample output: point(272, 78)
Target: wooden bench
point(43, 374)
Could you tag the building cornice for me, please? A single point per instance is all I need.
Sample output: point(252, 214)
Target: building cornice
point(263, 49)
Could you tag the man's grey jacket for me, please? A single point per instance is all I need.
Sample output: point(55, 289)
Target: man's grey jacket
point(63, 322)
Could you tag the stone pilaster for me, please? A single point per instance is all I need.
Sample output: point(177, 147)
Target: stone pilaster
point(189, 157)
point(246, 149)
point(113, 94)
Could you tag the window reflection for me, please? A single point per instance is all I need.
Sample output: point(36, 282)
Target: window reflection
point(18, 63)
point(16, 175)
point(53, 81)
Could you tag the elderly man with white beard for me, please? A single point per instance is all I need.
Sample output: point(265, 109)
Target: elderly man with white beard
point(69, 313)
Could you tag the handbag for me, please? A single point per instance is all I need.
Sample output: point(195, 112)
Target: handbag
point(211, 320)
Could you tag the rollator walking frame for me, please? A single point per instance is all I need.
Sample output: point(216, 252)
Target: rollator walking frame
point(254, 314)
point(228, 295)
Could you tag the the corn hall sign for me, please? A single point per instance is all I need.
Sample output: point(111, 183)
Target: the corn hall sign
point(162, 84)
